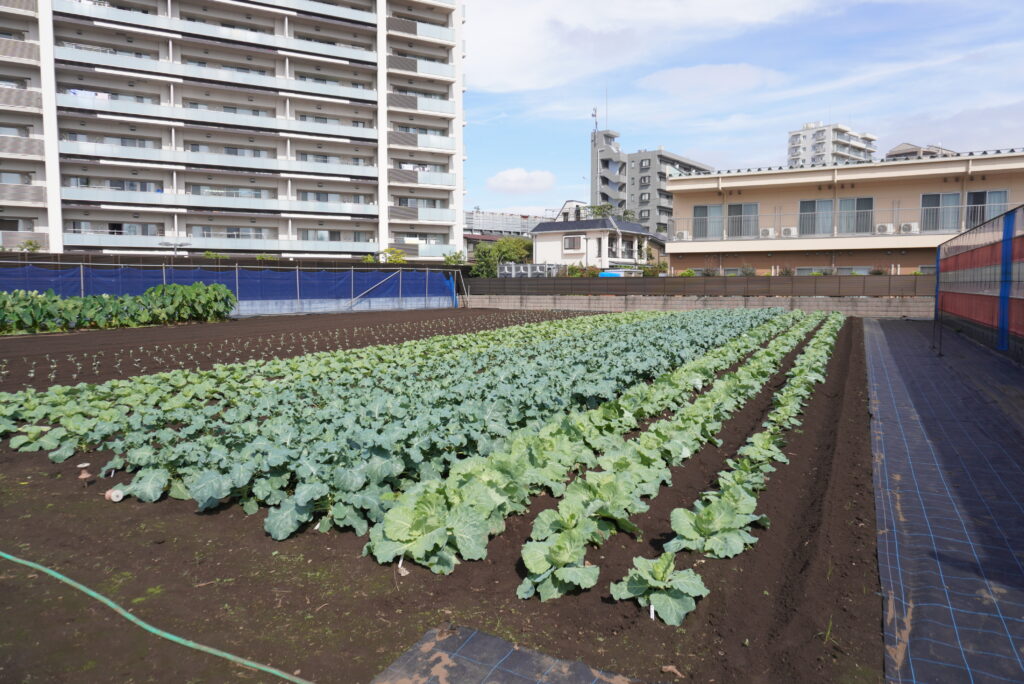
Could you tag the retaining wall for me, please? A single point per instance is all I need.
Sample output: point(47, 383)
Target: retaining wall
point(864, 307)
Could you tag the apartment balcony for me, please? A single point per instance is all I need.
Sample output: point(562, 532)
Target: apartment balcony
point(435, 142)
point(75, 101)
point(171, 199)
point(16, 147)
point(880, 223)
point(23, 195)
point(412, 177)
point(22, 6)
point(328, 10)
point(421, 214)
point(21, 98)
point(14, 240)
point(210, 159)
point(167, 68)
point(108, 240)
point(166, 23)
point(421, 104)
point(19, 51)
point(421, 66)
point(421, 29)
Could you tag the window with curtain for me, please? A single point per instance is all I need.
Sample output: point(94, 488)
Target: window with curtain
point(815, 217)
point(707, 222)
point(940, 212)
point(856, 215)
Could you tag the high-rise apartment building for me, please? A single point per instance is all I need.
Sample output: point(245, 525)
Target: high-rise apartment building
point(293, 126)
point(635, 182)
point(818, 144)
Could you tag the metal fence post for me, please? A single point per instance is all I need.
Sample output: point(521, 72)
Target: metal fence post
point(298, 293)
point(238, 295)
point(352, 285)
point(426, 290)
point(163, 273)
point(81, 279)
point(401, 304)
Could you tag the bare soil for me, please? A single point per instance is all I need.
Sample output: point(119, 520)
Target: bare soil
point(801, 606)
point(93, 356)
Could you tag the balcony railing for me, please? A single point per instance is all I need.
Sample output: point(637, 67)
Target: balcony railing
point(170, 199)
point(101, 239)
point(82, 100)
point(212, 159)
point(102, 10)
point(823, 224)
point(166, 67)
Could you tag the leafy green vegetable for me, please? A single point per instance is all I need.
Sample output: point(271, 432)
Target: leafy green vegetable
point(671, 594)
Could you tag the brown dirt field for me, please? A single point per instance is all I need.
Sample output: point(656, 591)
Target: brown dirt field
point(313, 604)
point(108, 354)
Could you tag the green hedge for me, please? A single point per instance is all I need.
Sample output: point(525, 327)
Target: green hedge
point(28, 311)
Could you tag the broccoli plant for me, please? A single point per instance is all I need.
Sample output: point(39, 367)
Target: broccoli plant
point(718, 525)
point(656, 584)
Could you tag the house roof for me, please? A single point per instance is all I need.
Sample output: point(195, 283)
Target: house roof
point(597, 224)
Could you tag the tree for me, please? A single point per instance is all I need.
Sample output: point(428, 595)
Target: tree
point(391, 255)
point(511, 249)
point(608, 211)
point(454, 259)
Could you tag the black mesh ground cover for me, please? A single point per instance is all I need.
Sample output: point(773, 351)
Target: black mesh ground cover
point(948, 438)
point(459, 655)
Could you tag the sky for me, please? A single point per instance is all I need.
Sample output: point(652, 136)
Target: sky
point(724, 81)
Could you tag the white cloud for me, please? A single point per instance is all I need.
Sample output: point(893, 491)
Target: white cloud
point(707, 81)
point(521, 182)
point(540, 44)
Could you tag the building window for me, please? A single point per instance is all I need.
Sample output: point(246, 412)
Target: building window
point(645, 213)
point(707, 222)
point(743, 220)
point(856, 215)
point(940, 212)
point(572, 243)
point(645, 180)
point(815, 217)
point(984, 205)
point(645, 196)
point(853, 270)
point(645, 163)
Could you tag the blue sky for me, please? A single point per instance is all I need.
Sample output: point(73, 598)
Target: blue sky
point(723, 81)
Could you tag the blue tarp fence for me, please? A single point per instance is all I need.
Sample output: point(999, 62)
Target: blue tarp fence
point(259, 290)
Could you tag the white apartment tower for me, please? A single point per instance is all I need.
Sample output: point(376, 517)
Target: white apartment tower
point(261, 126)
point(817, 144)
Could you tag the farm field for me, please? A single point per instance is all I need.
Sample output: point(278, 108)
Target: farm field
point(101, 355)
point(503, 421)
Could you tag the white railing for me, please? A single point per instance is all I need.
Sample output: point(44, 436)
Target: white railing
point(821, 224)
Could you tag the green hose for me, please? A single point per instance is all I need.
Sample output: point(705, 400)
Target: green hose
point(150, 628)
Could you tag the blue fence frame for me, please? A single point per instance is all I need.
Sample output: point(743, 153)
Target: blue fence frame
point(260, 290)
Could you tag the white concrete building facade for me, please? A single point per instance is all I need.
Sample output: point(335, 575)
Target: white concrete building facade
point(818, 144)
point(294, 126)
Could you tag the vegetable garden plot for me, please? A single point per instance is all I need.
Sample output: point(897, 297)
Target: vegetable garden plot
point(314, 603)
point(333, 437)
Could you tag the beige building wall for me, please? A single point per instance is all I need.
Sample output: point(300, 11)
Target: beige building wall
point(896, 190)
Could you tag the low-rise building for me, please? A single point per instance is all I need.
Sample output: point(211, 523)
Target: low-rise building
point(883, 216)
point(600, 242)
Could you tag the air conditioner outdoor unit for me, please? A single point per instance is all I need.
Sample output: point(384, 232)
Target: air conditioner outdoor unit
point(768, 233)
point(682, 235)
point(910, 228)
point(789, 232)
point(884, 229)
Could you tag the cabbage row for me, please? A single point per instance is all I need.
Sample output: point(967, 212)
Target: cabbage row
point(439, 521)
point(719, 524)
point(336, 436)
point(600, 503)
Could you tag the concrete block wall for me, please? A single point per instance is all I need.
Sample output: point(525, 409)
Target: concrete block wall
point(864, 307)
